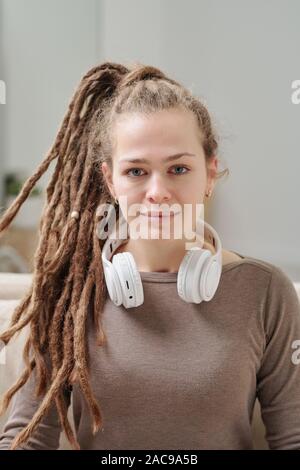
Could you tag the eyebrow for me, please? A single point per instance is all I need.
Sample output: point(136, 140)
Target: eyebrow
point(167, 159)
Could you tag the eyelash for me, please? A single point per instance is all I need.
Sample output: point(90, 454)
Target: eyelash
point(176, 166)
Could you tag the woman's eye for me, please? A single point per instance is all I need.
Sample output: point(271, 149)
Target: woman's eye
point(139, 169)
point(133, 169)
point(182, 167)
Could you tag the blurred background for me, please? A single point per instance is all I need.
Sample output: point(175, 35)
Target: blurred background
point(239, 56)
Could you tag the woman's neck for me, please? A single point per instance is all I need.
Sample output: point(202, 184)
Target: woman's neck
point(161, 255)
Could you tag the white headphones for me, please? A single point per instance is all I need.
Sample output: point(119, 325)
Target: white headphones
point(197, 280)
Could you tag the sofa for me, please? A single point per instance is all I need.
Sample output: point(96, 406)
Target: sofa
point(13, 286)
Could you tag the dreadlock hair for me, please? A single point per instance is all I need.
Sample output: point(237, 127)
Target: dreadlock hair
point(67, 273)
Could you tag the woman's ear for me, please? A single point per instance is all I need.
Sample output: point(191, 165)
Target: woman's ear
point(107, 174)
point(212, 169)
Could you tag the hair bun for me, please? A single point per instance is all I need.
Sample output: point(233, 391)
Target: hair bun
point(140, 72)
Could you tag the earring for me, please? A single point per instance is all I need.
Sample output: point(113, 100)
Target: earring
point(208, 193)
point(116, 201)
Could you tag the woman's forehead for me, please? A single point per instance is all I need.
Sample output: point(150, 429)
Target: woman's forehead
point(141, 137)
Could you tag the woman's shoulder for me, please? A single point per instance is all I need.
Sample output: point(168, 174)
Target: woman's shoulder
point(272, 272)
point(233, 257)
point(264, 277)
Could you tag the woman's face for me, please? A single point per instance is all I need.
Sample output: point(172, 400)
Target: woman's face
point(157, 180)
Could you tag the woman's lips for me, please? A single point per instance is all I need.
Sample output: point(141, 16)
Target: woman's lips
point(157, 216)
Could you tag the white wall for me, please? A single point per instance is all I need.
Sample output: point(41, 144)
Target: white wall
point(240, 57)
point(2, 106)
point(47, 47)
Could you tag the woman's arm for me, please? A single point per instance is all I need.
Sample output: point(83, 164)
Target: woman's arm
point(278, 379)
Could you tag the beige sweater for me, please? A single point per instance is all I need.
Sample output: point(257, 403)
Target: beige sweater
point(175, 375)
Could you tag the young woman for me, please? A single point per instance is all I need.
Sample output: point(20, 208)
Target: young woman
point(175, 357)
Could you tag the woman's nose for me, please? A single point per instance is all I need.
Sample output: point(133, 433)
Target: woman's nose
point(157, 191)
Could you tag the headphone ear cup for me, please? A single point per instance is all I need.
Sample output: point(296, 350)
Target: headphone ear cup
point(130, 280)
point(190, 275)
point(113, 284)
point(210, 279)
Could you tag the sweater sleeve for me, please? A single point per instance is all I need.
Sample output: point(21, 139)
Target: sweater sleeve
point(278, 378)
point(23, 406)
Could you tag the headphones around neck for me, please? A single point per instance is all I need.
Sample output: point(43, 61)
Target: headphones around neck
point(197, 279)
